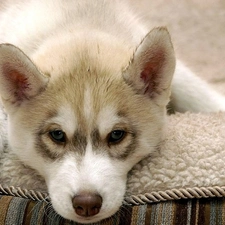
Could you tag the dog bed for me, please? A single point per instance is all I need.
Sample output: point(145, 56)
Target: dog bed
point(182, 183)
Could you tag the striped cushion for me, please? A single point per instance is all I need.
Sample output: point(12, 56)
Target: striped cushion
point(18, 210)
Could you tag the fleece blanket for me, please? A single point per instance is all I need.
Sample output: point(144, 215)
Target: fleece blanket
point(191, 155)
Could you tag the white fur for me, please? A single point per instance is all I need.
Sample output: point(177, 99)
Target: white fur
point(98, 176)
point(190, 93)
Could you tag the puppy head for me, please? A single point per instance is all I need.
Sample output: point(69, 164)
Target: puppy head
point(83, 129)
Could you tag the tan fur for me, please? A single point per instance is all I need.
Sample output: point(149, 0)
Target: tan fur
point(106, 91)
point(89, 89)
point(92, 67)
point(87, 80)
point(85, 86)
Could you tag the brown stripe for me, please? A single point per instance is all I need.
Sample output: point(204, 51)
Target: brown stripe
point(125, 215)
point(41, 213)
point(207, 211)
point(197, 212)
point(223, 210)
point(134, 215)
point(193, 211)
point(4, 205)
point(181, 212)
point(159, 211)
point(173, 219)
point(148, 215)
point(202, 210)
point(28, 213)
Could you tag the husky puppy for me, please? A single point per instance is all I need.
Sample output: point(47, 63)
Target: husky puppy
point(85, 86)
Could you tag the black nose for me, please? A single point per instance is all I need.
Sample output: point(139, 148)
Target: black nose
point(87, 204)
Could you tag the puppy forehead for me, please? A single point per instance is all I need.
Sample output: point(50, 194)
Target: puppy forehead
point(88, 104)
point(93, 106)
point(105, 120)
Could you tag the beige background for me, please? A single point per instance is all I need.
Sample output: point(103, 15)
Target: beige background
point(197, 28)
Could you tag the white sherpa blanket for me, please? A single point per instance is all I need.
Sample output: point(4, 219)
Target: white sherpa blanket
point(191, 155)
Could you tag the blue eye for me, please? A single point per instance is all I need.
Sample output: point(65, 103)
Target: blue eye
point(116, 136)
point(58, 136)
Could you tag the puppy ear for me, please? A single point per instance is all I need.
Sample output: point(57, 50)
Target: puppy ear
point(151, 69)
point(19, 77)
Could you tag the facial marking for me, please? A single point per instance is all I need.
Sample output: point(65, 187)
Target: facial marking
point(64, 120)
point(45, 151)
point(79, 143)
point(95, 138)
point(129, 149)
point(108, 120)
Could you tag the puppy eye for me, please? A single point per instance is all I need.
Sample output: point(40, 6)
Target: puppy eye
point(116, 136)
point(58, 136)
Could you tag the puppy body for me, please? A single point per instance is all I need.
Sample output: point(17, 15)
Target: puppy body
point(86, 97)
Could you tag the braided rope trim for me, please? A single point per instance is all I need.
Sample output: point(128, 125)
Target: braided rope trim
point(152, 197)
point(176, 194)
point(24, 193)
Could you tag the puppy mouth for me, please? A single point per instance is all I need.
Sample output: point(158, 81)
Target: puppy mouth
point(87, 207)
point(89, 220)
point(96, 218)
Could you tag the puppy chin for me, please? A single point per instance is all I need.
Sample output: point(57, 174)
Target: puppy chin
point(62, 203)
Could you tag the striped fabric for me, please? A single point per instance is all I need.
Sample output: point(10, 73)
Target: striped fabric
point(18, 211)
